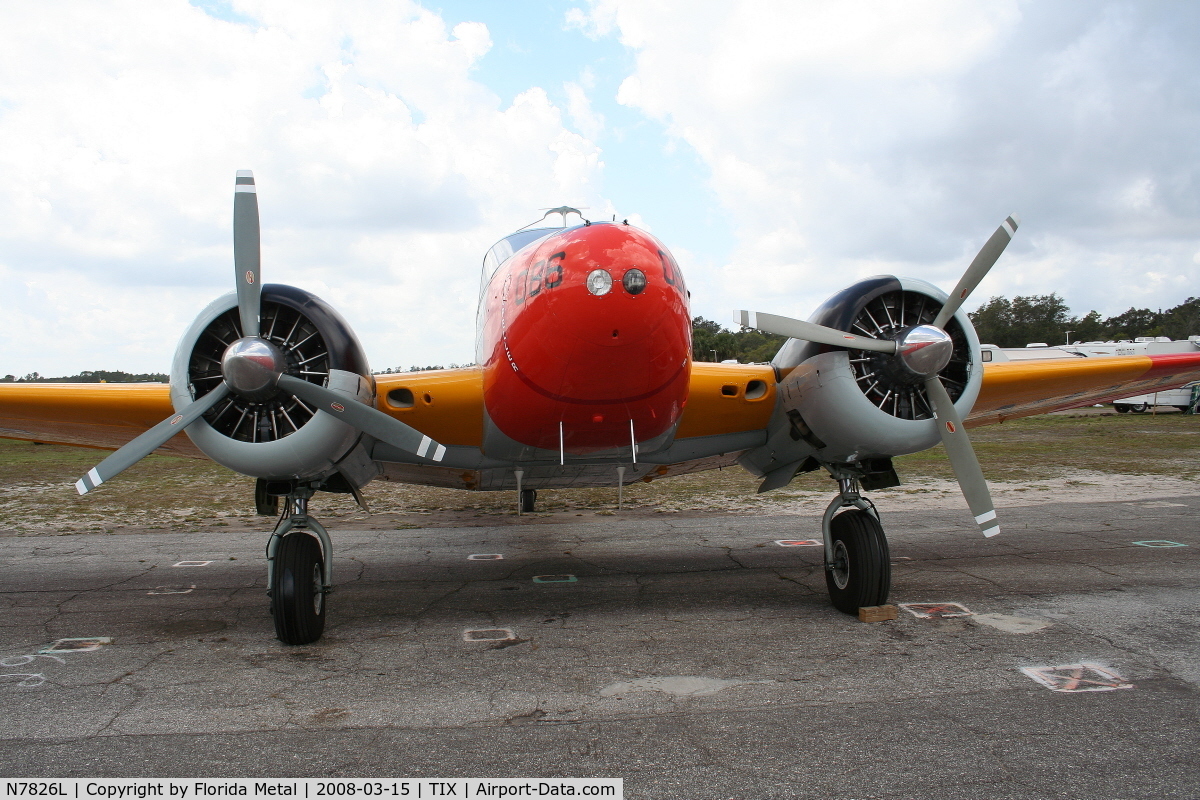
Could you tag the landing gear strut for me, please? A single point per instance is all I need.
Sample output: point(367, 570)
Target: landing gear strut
point(299, 557)
point(858, 567)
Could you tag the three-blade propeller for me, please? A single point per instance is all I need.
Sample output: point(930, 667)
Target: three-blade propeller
point(950, 426)
point(254, 369)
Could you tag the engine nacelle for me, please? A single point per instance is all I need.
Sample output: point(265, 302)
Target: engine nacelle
point(843, 406)
point(280, 437)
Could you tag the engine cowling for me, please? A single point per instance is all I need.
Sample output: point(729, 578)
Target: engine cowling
point(276, 437)
point(845, 406)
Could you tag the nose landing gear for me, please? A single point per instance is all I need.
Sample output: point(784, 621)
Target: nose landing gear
point(858, 570)
point(299, 573)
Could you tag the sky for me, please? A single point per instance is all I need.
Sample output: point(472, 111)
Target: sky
point(781, 150)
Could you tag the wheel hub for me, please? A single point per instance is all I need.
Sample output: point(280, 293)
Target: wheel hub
point(840, 568)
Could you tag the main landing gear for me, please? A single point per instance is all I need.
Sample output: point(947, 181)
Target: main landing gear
point(299, 557)
point(858, 567)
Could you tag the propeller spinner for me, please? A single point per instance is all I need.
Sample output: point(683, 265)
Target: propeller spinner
point(254, 368)
point(922, 351)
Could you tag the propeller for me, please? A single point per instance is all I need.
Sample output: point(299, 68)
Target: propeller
point(980, 266)
point(962, 458)
point(811, 332)
point(254, 368)
point(924, 350)
point(247, 258)
point(148, 442)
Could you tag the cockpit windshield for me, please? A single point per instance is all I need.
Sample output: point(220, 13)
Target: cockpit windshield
point(504, 249)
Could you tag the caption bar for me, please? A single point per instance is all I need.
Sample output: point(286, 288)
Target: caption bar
point(422, 789)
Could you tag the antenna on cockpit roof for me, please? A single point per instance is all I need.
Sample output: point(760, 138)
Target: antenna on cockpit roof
point(564, 210)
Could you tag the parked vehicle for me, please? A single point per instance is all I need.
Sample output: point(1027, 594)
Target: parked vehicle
point(1184, 398)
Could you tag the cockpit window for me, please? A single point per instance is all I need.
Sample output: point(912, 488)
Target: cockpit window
point(507, 247)
point(504, 249)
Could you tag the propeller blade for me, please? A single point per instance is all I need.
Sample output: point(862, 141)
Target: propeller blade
point(247, 260)
point(148, 442)
point(962, 458)
point(983, 262)
point(367, 419)
point(811, 332)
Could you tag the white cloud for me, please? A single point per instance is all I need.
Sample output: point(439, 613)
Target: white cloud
point(850, 139)
point(586, 120)
point(384, 167)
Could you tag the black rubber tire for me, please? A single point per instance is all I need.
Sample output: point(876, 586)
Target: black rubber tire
point(864, 565)
point(1140, 408)
point(297, 602)
point(1121, 408)
point(528, 500)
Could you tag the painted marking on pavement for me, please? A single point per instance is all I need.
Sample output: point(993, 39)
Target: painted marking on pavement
point(798, 542)
point(485, 557)
point(192, 564)
point(488, 635)
point(172, 589)
point(1160, 543)
point(937, 610)
point(78, 645)
point(1083, 677)
point(677, 685)
point(554, 579)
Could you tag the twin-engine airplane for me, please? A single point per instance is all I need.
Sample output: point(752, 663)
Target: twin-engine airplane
point(585, 378)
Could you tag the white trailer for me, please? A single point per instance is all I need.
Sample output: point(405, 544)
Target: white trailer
point(1184, 398)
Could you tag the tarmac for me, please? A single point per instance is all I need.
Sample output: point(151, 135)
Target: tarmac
point(690, 655)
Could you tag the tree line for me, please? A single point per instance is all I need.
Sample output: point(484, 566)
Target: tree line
point(999, 321)
point(712, 342)
point(1046, 318)
point(89, 376)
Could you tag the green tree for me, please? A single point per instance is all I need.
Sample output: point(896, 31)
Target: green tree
point(709, 339)
point(1133, 323)
point(1044, 318)
point(1183, 320)
point(1024, 319)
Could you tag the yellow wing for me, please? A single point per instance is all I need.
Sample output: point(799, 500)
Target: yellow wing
point(1022, 388)
point(447, 405)
point(104, 415)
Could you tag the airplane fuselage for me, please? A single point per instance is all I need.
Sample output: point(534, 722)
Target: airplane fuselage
point(585, 344)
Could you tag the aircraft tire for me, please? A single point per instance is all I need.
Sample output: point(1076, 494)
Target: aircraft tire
point(863, 572)
point(528, 500)
point(297, 602)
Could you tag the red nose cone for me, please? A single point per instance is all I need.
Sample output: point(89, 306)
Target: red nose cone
point(589, 329)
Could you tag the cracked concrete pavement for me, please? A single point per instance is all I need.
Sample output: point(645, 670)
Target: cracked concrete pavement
point(692, 657)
